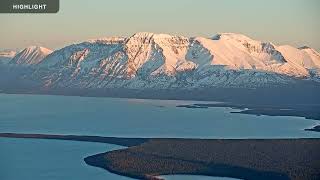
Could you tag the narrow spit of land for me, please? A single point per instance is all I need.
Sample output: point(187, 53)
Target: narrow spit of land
point(306, 111)
point(147, 158)
point(316, 129)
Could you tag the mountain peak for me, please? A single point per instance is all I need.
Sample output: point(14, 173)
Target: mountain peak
point(304, 47)
point(143, 34)
point(33, 47)
point(107, 40)
point(231, 36)
point(309, 49)
point(31, 55)
point(150, 35)
point(38, 48)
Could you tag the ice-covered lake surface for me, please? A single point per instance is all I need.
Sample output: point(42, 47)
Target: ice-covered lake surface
point(52, 159)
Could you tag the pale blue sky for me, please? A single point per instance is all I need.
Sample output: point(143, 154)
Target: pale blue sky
point(294, 22)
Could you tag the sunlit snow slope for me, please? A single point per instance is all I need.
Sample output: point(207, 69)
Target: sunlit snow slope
point(162, 61)
point(30, 55)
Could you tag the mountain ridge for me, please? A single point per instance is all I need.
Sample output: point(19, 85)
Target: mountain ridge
point(163, 61)
point(30, 55)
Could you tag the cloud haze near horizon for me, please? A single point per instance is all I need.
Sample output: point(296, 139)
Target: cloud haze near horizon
point(293, 22)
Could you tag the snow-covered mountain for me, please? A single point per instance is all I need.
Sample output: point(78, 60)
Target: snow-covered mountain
point(303, 58)
point(6, 56)
point(161, 61)
point(30, 55)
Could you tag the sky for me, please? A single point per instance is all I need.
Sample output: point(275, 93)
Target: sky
point(293, 22)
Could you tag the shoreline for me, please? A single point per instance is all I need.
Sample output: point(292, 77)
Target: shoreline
point(315, 128)
point(147, 158)
point(306, 111)
point(309, 111)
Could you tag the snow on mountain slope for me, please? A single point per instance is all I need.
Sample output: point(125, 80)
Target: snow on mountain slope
point(160, 53)
point(314, 57)
point(148, 60)
point(306, 58)
point(174, 50)
point(30, 55)
point(6, 56)
point(240, 52)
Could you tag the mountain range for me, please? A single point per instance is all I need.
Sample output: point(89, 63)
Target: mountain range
point(161, 61)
